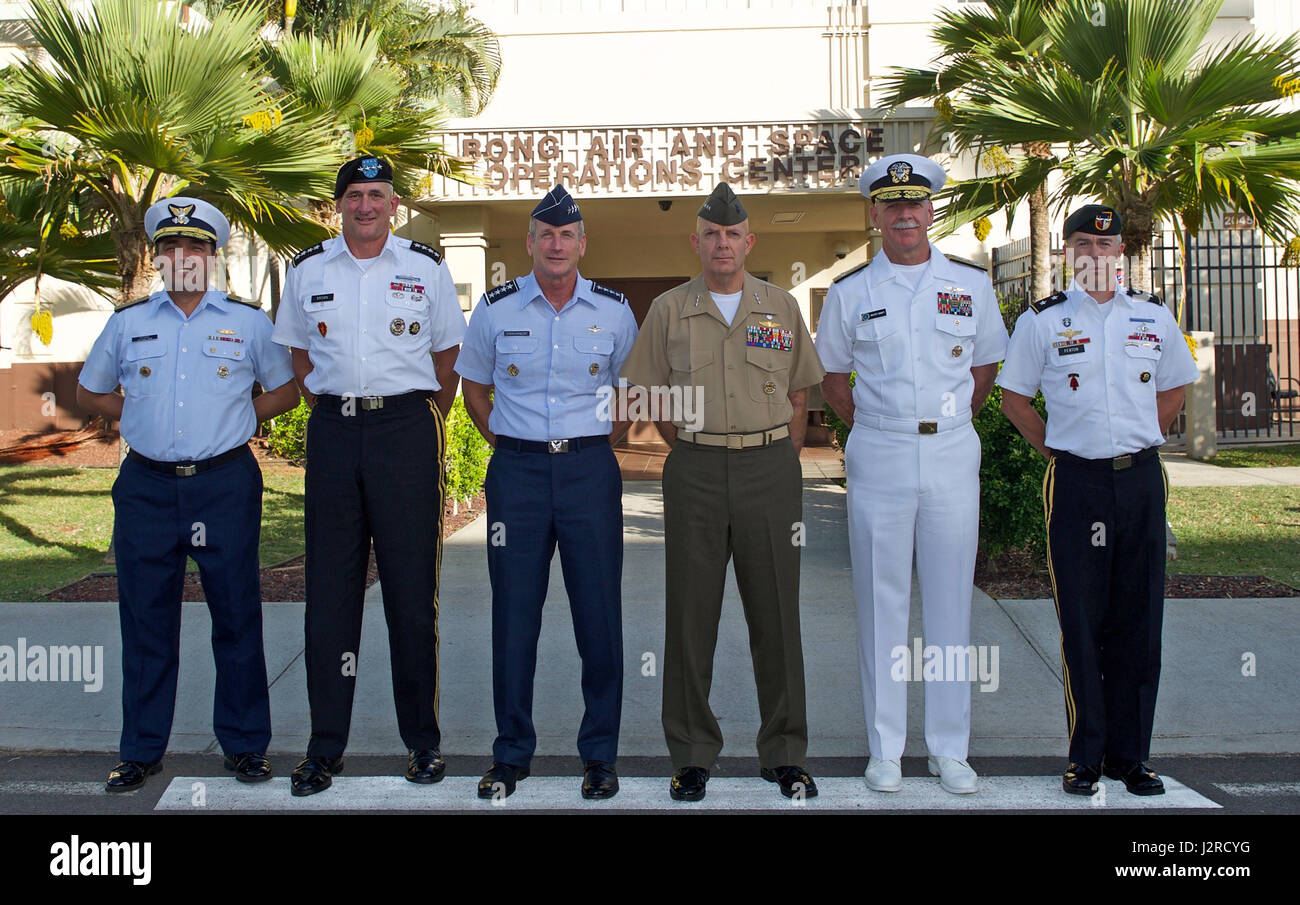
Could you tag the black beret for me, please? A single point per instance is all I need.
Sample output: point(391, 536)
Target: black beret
point(362, 169)
point(1094, 219)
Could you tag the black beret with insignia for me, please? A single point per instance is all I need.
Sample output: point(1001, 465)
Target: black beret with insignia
point(1093, 219)
point(362, 169)
point(723, 207)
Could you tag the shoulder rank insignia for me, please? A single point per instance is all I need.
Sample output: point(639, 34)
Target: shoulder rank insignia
point(965, 263)
point(125, 305)
point(307, 253)
point(427, 250)
point(602, 289)
point(1043, 304)
point(249, 302)
point(1144, 296)
point(496, 295)
point(850, 273)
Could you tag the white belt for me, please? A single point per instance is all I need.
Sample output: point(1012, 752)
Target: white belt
point(911, 425)
point(736, 441)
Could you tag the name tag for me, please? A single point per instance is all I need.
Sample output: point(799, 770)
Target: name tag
point(140, 339)
point(1071, 349)
point(323, 297)
point(519, 333)
point(872, 315)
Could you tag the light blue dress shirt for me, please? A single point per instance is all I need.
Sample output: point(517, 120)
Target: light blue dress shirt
point(548, 367)
point(187, 381)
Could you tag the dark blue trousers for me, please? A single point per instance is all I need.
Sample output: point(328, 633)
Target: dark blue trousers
point(1106, 554)
point(538, 500)
point(214, 517)
point(373, 475)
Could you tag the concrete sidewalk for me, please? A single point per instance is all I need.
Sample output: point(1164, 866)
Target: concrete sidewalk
point(1206, 705)
point(1187, 472)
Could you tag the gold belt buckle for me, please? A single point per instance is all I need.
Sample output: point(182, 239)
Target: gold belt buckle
point(186, 471)
point(735, 441)
point(1122, 462)
point(370, 403)
point(557, 446)
point(927, 427)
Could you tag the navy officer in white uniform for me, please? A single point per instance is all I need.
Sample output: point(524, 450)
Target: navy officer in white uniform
point(924, 334)
point(374, 325)
point(186, 358)
point(1112, 365)
point(551, 345)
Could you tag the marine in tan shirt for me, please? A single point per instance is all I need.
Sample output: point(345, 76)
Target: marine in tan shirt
point(732, 487)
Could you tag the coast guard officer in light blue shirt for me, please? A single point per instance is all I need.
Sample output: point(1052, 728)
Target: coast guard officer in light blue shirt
point(186, 358)
point(551, 344)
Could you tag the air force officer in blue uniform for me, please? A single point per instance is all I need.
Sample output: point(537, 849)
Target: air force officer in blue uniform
point(551, 344)
point(186, 358)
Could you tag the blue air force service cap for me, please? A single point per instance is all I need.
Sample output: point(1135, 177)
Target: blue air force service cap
point(908, 177)
point(558, 208)
point(181, 216)
point(1094, 219)
point(362, 169)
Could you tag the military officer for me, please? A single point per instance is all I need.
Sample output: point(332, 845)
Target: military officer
point(186, 358)
point(1112, 365)
point(374, 326)
point(551, 344)
point(732, 486)
point(924, 334)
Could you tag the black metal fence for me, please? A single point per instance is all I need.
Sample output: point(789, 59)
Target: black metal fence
point(1232, 283)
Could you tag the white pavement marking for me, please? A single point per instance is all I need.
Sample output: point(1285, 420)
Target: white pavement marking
point(49, 787)
point(1259, 788)
point(637, 793)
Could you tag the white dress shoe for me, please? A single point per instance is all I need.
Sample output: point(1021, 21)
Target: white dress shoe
point(884, 775)
point(956, 776)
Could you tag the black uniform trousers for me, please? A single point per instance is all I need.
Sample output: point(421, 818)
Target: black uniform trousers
point(159, 520)
point(373, 474)
point(534, 501)
point(721, 504)
point(1106, 555)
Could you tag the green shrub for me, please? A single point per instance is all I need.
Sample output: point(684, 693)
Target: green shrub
point(1011, 484)
point(288, 437)
point(467, 454)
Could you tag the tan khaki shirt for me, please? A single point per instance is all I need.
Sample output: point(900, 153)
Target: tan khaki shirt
point(746, 369)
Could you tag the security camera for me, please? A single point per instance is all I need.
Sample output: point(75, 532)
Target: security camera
point(665, 204)
point(842, 250)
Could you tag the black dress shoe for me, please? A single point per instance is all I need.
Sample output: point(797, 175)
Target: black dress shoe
point(1137, 777)
point(129, 775)
point(688, 784)
point(425, 766)
point(249, 767)
point(599, 780)
point(792, 779)
point(500, 778)
point(314, 774)
point(1080, 779)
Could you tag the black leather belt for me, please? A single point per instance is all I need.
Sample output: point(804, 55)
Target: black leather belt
point(1118, 463)
point(372, 403)
point(188, 469)
point(551, 446)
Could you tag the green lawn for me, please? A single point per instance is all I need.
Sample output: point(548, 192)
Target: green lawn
point(1258, 456)
point(1237, 531)
point(55, 524)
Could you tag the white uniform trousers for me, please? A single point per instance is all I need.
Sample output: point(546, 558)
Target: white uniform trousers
point(912, 491)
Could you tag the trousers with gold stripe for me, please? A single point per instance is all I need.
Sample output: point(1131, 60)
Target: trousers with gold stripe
point(374, 474)
point(1106, 555)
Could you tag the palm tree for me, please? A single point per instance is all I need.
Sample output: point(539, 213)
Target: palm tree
point(1153, 123)
point(154, 104)
point(1011, 32)
point(449, 59)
